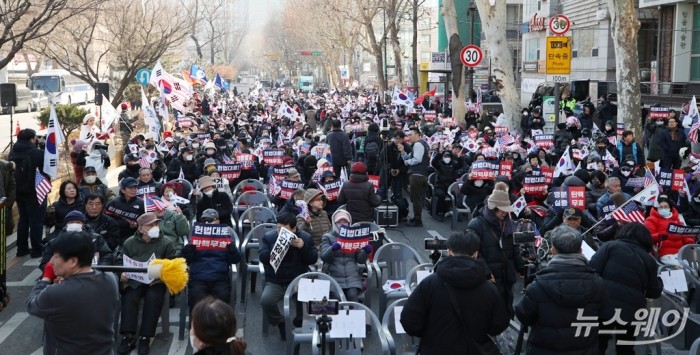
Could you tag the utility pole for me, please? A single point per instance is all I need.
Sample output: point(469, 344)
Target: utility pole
point(386, 76)
point(470, 70)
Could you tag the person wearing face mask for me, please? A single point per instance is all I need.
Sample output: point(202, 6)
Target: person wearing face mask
point(91, 184)
point(445, 174)
point(672, 140)
point(184, 163)
point(147, 242)
point(97, 158)
point(213, 330)
point(653, 131)
point(657, 224)
point(172, 225)
point(76, 222)
point(316, 223)
point(210, 151)
point(624, 173)
point(209, 268)
point(132, 167)
point(496, 249)
point(69, 200)
point(597, 185)
point(343, 266)
point(212, 198)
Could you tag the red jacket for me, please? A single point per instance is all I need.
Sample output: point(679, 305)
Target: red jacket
point(658, 225)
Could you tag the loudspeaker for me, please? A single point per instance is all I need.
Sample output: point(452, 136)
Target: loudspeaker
point(8, 95)
point(101, 89)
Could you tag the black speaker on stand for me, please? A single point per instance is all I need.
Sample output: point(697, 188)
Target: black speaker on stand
point(100, 90)
point(8, 98)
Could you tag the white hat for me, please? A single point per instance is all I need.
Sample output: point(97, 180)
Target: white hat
point(210, 145)
point(147, 136)
point(88, 117)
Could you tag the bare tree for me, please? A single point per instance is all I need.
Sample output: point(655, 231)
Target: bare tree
point(493, 22)
point(416, 14)
point(625, 32)
point(109, 37)
point(24, 21)
point(449, 14)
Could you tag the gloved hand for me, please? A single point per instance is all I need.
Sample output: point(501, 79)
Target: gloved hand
point(335, 246)
point(367, 248)
point(188, 250)
point(664, 236)
point(49, 273)
point(231, 248)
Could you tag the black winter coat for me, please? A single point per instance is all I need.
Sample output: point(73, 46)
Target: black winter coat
point(20, 151)
point(502, 262)
point(550, 305)
point(359, 197)
point(189, 169)
point(106, 256)
point(295, 262)
point(630, 275)
point(430, 314)
point(106, 227)
point(218, 201)
point(61, 210)
point(339, 143)
point(124, 211)
point(445, 174)
point(476, 195)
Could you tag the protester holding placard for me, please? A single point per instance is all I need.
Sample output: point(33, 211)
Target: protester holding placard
point(316, 222)
point(358, 195)
point(173, 225)
point(212, 198)
point(146, 244)
point(126, 208)
point(476, 191)
point(342, 263)
point(285, 254)
point(657, 223)
point(209, 254)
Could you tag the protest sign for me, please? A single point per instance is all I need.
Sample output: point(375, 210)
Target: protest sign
point(331, 189)
point(500, 130)
point(229, 171)
point(374, 179)
point(287, 188)
point(481, 170)
point(210, 236)
point(506, 169)
point(352, 238)
point(572, 196)
point(533, 185)
point(282, 245)
point(141, 277)
point(682, 230)
point(246, 160)
point(273, 156)
point(548, 174)
point(678, 179)
point(545, 141)
point(665, 177)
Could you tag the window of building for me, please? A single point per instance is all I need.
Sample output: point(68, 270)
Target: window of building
point(695, 46)
point(532, 49)
point(531, 6)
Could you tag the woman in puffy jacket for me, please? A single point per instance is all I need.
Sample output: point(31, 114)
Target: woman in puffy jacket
point(657, 224)
point(340, 265)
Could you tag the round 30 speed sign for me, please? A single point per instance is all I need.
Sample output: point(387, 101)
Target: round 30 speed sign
point(559, 25)
point(471, 55)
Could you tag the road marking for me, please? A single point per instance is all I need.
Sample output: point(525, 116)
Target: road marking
point(434, 233)
point(178, 346)
point(39, 351)
point(29, 280)
point(32, 262)
point(12, 324)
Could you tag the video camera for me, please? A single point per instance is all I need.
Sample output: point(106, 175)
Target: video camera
point(524, 234)
point(324, 307)
point(435, 243)
point(100, 146)
point(384, 124)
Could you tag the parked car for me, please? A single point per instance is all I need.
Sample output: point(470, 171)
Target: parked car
point(39, 100)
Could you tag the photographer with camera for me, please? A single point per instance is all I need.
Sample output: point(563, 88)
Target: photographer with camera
point(552, 301)
point(96, 156)
point(497, 250)
point(455, 309)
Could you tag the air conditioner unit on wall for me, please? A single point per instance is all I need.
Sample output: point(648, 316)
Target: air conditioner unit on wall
point(602, 15)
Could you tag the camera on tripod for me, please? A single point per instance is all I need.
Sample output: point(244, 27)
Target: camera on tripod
point(324, 307)
point(384, 124)
point(435, 244)
point(524, 234)
point(100, 146)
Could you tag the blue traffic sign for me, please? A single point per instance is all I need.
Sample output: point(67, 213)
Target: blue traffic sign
point(143, 76)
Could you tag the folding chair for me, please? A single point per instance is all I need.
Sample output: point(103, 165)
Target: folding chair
point(455, 197)
point(412, 276)
point(249, 199)
point(389, 327)
point(249, 265)
point(392, 262)
point(256, 184)
point(353, 345)
point(304, 334)
point(254, 216)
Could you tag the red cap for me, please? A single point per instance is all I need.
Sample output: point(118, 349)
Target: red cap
point(359, 168)
point(124, 106)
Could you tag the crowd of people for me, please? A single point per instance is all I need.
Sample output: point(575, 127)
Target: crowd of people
point(318, 152)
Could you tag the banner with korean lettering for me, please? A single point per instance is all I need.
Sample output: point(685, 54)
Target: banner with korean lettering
point(572, 196)
point(331, 189)
point(374, 179)
point(282, 245)
point(481, 170)
point(319, 151)
point(682, 230)
point(280, 172)
point(430, 115)
point(203, 136)
point(677, 180)
point(500, 130)
point(288, 187)
point(113, 211)
point(141, 277)
point(210, 236)
point(353, 238)
point(273, 156)
point(665, 178)
point(246, 160)
point(608, 209)
point(548, 174)
point(506, 169)
point(534, 185)
point(229, 171)
point(447, 121)
point(545, 141)
point(319, 172)
point(658, 112)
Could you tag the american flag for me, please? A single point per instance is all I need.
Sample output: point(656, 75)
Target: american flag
point(648, 178)
point(42, 185)
point(226, 159)
point(182, 174)
point(505, 140)
point(144, 162)
point(693, 113)
point(154, 203)
point(629, 213)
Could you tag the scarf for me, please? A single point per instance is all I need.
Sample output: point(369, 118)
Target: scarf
point(568, 260)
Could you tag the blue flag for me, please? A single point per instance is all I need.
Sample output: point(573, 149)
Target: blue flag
point(219, 82)
point(196, 72)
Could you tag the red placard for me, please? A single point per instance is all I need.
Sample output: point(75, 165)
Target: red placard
point(229, 171)
point(500, 129)
point(506, 169)
point(481, 170)
point(577, 197)
point(273, 157)
point(246, 160)
point(678, 178)
point(534, 185)
point(548, 174)
point(374, 179)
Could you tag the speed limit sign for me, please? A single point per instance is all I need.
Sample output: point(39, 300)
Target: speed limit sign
point(559, 25)
point(471, 55)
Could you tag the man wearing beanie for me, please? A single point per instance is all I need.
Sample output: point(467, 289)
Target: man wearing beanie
point(358, 194)
point(418, 168)
point(502, 258)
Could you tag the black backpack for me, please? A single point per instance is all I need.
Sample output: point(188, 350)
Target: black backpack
point(371, 150)
point(25, 173)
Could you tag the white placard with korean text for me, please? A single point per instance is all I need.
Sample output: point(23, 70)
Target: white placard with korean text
point(141, 277)
point(279, 250)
